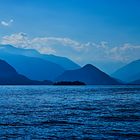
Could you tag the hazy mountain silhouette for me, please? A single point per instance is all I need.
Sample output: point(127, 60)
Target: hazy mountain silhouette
point(136, 76)
point(33, 68)
point(129, 72)
point(109, 67)
point(9, 76)
point(136, 82)
point(66, 63)
point(88, 74)
point(62, 61)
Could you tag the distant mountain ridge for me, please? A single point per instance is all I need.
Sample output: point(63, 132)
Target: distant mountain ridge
point(129, 72)
point(62, 61)
point(34, 65)
point(9, 76)
point(136, 82)
point(88, 74)
point(40, 67)
point(33, 68)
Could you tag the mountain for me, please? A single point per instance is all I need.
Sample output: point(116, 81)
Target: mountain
point(136, 82)
point(9, 76)
point(109, 67)
point(129, 72)
point(88, 74)
point(135, 77)
point(64, 62)
point(31, 67)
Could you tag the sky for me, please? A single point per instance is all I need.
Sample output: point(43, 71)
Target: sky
point(100, 32)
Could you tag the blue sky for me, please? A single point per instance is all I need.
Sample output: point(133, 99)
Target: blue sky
point(116, 22)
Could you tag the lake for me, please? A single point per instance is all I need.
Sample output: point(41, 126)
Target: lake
point(78, 112)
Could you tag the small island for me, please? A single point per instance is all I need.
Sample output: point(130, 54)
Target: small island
point(70, 83)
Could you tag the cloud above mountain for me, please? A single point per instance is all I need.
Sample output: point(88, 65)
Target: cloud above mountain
point(82, 53)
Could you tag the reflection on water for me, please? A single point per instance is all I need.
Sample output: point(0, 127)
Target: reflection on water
point(94, 112)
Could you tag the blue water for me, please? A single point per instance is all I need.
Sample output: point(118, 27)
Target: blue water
point(51, 112)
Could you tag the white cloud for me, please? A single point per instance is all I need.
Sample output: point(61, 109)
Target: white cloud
point(81, 52)
point(7, 23)
point(42, 44)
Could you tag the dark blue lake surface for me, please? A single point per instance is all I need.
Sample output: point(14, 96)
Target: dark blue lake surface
point(51, 112)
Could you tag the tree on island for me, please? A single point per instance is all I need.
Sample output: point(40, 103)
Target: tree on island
point(69, 83)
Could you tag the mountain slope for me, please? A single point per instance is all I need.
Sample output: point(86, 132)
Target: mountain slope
point(89, 74)
point(33, 68)
point(9, 76)
point(129, 72)
point(62, 61)
point(136, 82)
point(109, 67)
point(66, 63)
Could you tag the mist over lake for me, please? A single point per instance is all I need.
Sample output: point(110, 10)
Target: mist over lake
point(70, 112)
